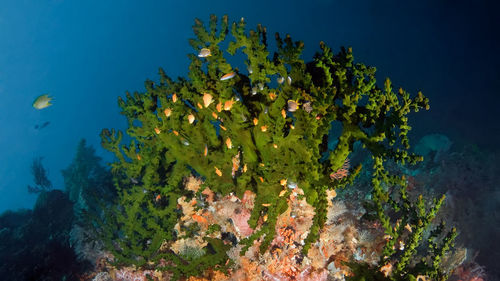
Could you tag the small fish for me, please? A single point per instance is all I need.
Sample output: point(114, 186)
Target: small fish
point(191, 118)
point(275, 145)
point(42, 101)
point(229, 144)
point(280, 80)
point(307, 107)
point(250, 69)
point(408, 227)
point(199, 106)
point(174, 97)
point(228, 104)
point(222, 127)
point(272, 95)
point(214, 115)
point(175, 132)
point(219, 107)
point(283, 182)
point(158, 197)
point(293, 105)
point(289, 80)
point(158, 131)
point(255, 121)
point(207, 99)
point(265, 217)
point(261, 86)
point(245, 168)
point(228, 76)
point(45, 124)
point(283, 113)
point(254, 90)
point(205, 152)
point(282, 193)
point(266, 204)
point(205, 52)
point(139, 157)
point(218, 172)
point(185, 142)
point(167, 112)
point(263, 128)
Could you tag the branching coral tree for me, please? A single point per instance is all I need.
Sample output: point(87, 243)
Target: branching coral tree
point(263, 129)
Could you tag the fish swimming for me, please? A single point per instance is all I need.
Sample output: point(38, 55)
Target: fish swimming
point(42, 101)
point(45, 124)
point(228, 76)
point(205, 52)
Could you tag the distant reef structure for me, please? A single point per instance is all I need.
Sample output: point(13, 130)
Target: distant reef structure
point(229, 171)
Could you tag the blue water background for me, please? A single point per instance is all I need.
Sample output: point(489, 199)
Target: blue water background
point(87, 53)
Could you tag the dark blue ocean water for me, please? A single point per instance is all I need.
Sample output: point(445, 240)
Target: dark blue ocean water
point(87, 53)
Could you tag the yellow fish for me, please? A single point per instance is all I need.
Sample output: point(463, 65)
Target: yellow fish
point(218, 172)
point(42, 102)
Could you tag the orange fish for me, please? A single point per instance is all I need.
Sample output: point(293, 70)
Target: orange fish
point(222, 127)
point(199, 105)
point(263, 128)
point(175, 132)
point(228, 76)
point(207, 99)
point(272, 95)
point(214, 115)
point(228, 104)
point(255, 121)
point(261, 179)
point(206, 151)
point(167, 112)
point(218, 172)
point(174, 97)
point(139, 157)
point(219, 107)
point(229, 144)
point(191, 118)
point(158, 197)
point(158, 131)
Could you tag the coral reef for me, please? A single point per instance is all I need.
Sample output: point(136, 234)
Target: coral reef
point(257, 142)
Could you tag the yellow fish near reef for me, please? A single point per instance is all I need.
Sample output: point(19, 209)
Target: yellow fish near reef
point(42, 102)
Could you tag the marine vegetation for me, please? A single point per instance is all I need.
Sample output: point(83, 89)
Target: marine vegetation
point(259, 125)
point(42, 183)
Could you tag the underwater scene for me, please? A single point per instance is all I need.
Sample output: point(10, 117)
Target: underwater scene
point(250, 140)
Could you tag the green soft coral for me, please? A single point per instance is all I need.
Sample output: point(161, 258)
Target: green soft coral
point(165, 149)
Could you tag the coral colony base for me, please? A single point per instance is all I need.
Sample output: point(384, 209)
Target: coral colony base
point(229, 175)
